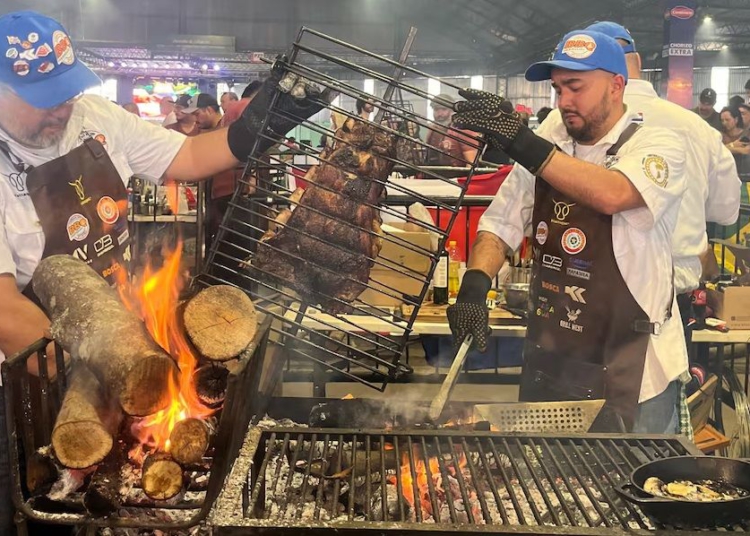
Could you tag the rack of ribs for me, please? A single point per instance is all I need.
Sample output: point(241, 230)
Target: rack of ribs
point(324, 247)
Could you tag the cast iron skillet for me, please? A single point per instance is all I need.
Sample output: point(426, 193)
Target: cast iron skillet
point(676, 512)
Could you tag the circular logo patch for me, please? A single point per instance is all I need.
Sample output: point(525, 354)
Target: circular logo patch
point(78, 227)
point(656, 169)
point(579, 46)
point(573, 241)
point(107, 210)
point(542, 232)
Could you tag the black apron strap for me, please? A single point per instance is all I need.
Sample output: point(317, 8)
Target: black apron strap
point(624, 138)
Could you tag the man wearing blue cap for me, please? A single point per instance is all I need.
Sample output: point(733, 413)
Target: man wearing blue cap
point(65, 158)
point(599, 196)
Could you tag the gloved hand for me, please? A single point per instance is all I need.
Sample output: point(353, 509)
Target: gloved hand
point(494, 116)
point(299, 99)
point(469, 315)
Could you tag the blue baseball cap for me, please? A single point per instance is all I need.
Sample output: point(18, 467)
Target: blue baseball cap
point(37, 60)
point(615, 31)
point(582, 50)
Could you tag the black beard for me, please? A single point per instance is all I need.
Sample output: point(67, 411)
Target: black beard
point(591, 126)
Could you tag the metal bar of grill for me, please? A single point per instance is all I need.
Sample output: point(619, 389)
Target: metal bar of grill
point(408, 480)
point(329, 326)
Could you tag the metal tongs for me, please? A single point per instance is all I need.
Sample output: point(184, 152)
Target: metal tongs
point(438, 403)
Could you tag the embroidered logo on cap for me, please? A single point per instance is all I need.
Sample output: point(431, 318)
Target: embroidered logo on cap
point(29, 55)
point(45, 67)
point(63, 48)
point(579, 46)
point(656, 169)
point(43, 50)
point(573, 241)
point(107, 210)
point(11, 53)
point(13, 40)
point(542, 232)
point(78, 227)
point(33, 37)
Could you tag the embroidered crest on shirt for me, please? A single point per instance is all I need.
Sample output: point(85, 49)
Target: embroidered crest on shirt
point(656, 169)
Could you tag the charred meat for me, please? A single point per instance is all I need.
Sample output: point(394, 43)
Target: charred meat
point(324, 248)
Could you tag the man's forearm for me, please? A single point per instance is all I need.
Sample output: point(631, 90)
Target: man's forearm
point(21, 321)
point(601, 189)
point(487, 254)
point(202, 156)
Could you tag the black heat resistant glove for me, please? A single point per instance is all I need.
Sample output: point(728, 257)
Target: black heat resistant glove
point(299, 99)
point(494, 116)
point(469, 315)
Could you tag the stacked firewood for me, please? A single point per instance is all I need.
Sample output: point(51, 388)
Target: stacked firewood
point(120, 376)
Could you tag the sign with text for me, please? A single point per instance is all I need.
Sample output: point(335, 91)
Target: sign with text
point(678, 48)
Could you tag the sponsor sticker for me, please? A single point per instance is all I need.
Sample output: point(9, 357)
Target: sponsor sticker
point(28, 55)
point(63, 48)
point(570, 323)
point(33, 37)
point(542, 232)
point(107, 210)
point(43, 50)
point(104, 245)
point(21, 67)
point(580, 274)
point(46, 67)
point(562, 211)
point(656, 169)
point(575, 293)
point(573, 241)
point(544, 308)
point(82, 254)
point(80, 192)
point(11, 53)
point(78, 227)
point(551, 286)
point(123, 237)
point(111, 270)
point(13, 40)
point(579, 46)
point(552, 262)
point(126, 255)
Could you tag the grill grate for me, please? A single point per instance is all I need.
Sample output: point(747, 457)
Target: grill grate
point(513, 483)
point(315, 322)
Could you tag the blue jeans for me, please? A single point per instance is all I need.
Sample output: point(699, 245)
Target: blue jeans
point(6, 502)
point(660, 415)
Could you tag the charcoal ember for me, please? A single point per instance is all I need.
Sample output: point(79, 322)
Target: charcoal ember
point(324, 250)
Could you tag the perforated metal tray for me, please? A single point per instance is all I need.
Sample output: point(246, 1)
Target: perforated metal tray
point(543, 417)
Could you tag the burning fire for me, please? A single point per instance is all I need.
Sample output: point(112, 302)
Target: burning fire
point(424, 471)
point(156, 300)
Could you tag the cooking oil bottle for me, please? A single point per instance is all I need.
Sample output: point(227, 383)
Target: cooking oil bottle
point(454, 263)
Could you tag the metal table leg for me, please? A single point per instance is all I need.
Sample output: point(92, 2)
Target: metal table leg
point(319, 380)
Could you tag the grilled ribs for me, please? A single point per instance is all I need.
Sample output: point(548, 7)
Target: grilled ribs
point(324, 248)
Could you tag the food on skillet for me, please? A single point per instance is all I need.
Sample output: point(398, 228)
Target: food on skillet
point(699, 491)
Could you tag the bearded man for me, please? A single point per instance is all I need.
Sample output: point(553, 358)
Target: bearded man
point(599, 194)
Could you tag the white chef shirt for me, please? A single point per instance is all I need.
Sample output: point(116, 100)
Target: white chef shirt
point(134, 145)
point(640, 237)
point(712, 184)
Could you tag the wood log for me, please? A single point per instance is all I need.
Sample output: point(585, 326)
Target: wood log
point(189, 441)
point(41, 471)
point(92, 324)
point(86, 424)
point(162, 477)
point(103, 495)
point(220, 321)
point(211, 383)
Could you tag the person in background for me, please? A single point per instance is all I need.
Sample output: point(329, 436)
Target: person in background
point(132, 108)
point(542, 114)
point(705, 108)
point(364, 108)
point(446, 147)
point(735, 101)
point(745, 113)
point(206, 111)
point(166, 108)
point(291, 143)
point(737, 139)
point(185, 122)
point(227, 98)
point(234, 109)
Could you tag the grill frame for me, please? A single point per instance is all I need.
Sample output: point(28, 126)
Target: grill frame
point(20, 432)
point(228, 516)
point(245, 222)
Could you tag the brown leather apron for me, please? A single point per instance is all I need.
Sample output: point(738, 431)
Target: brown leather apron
point(587, 336)
point(81, 203)
point(446, 144)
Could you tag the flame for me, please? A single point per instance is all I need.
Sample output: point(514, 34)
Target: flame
point(156, 301)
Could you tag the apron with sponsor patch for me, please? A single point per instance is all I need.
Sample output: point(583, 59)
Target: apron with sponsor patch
point(81, 204)
point(446, 144)
point(587, 336)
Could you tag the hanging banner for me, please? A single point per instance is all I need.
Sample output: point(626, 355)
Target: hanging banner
point(678, 48)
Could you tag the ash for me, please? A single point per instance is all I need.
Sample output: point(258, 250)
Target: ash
point(304, 485)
